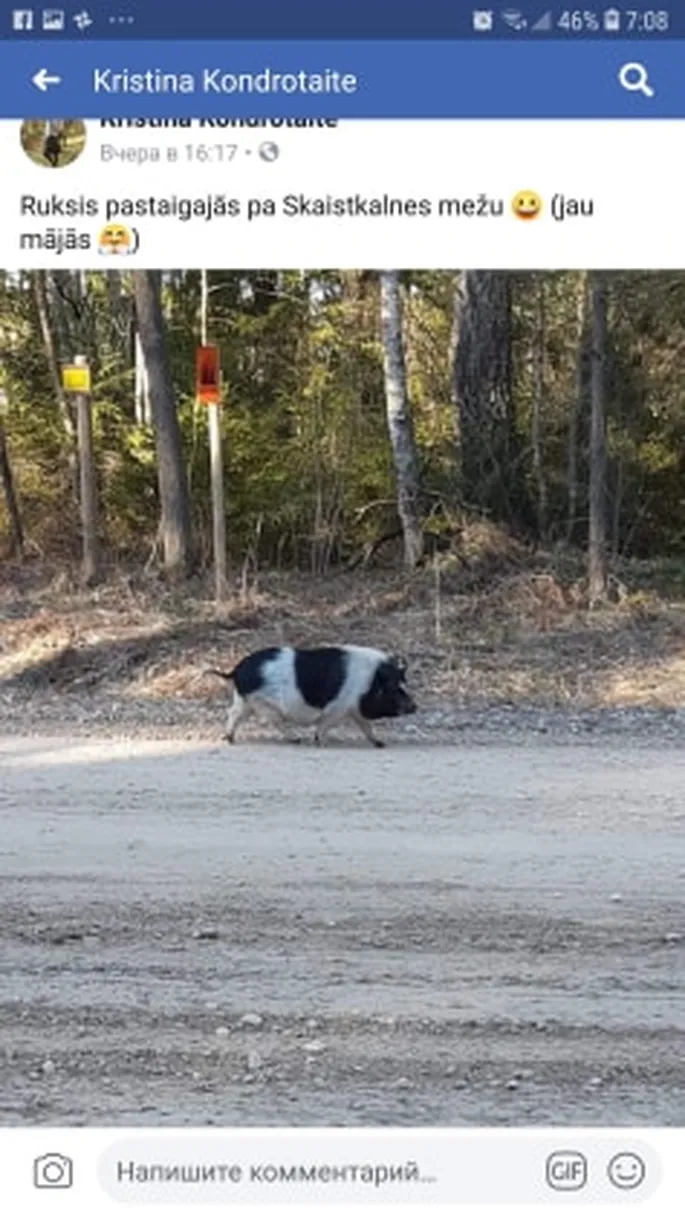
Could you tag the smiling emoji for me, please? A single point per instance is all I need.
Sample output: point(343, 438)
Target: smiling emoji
point(526, 204)
point(116, 239)
point(626, 1170)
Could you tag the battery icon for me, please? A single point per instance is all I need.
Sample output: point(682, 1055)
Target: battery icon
point(612, 20)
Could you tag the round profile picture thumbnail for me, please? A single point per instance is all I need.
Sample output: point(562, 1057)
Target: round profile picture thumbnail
point(53, 143)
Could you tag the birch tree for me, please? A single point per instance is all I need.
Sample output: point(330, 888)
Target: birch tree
point(399, 419)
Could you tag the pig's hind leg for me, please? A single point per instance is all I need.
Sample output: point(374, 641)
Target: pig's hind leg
point(239, 711)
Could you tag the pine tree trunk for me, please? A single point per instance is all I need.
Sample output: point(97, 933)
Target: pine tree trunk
point(538, 401)
point(577, 406)
point(13, 513)
point(597, 554)
point(491, 472)
point(399, 418)
point(50, 346)
point(173, 486)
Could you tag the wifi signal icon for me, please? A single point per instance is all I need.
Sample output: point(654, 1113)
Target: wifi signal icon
point(514, 18)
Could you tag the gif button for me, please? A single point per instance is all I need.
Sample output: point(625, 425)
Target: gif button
point(566, 1170)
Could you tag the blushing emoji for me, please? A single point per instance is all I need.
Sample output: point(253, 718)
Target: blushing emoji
point(116, 239)
point(526, 204)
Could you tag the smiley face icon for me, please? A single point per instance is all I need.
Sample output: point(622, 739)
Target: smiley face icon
point(116, 239)
point(626, 1170)
point(526, 204)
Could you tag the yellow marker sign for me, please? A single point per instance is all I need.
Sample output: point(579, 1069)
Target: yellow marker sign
point(76, 379)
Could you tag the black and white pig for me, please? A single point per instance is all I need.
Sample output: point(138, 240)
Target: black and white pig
point(319, 687)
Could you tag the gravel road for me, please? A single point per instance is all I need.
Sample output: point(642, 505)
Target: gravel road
point(467, 933)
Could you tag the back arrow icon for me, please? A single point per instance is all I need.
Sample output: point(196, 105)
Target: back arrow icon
point(43, 80)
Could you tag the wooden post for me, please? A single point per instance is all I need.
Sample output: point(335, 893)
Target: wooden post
point(87, 483)
point(216, 467)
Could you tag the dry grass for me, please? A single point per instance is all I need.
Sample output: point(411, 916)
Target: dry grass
point(494, 624)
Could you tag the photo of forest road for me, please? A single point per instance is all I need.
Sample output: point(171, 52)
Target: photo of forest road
point(481, 923)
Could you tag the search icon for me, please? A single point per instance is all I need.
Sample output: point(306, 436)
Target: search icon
point(634, 78)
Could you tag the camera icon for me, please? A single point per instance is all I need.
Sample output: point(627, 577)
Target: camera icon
point(53, 1171)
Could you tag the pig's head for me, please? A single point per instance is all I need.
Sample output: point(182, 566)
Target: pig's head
point(387, 695)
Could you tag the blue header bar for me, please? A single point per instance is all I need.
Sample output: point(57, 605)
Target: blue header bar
point(480, 20)
point(342, 80)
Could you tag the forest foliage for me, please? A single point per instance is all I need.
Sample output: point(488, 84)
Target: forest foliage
point(498, 378)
